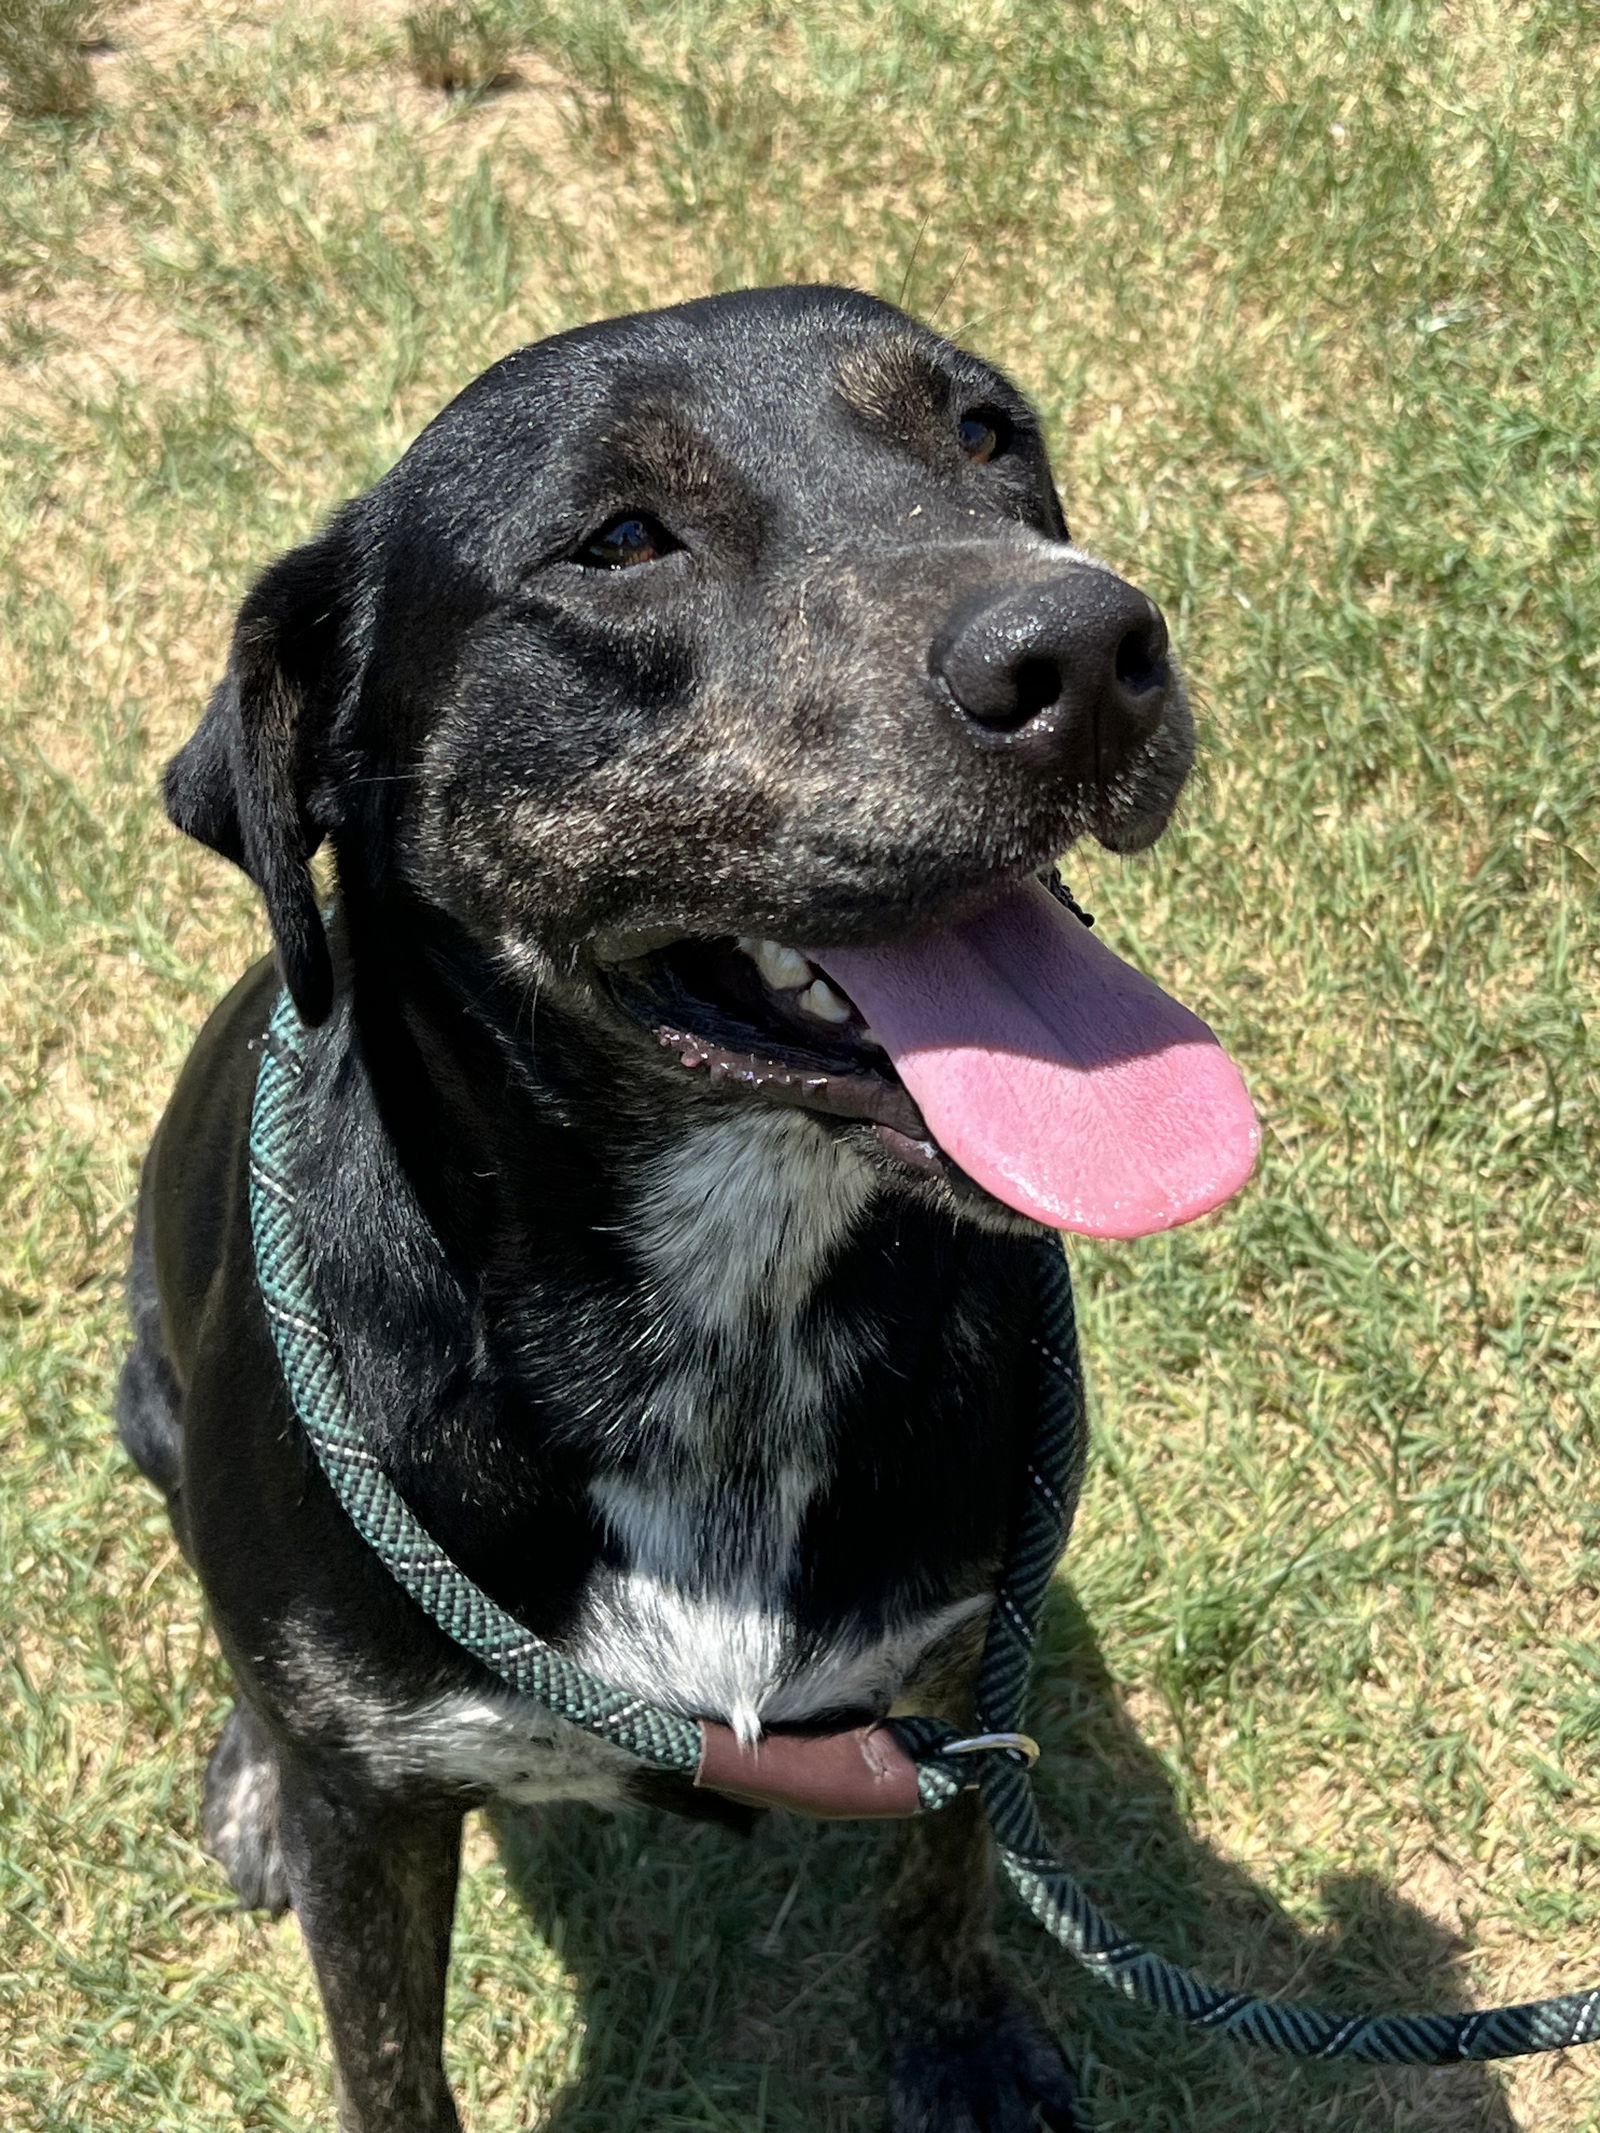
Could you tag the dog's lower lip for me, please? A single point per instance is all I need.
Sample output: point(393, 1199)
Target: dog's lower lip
point(748, 1019)
point(921, 1154)
point(868, 1097)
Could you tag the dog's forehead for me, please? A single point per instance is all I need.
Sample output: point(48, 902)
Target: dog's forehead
point(760, 386)
point(769, 355)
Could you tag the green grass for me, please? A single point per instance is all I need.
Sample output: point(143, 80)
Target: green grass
point(44, 64)
point(458, 48)
point(1307, 296)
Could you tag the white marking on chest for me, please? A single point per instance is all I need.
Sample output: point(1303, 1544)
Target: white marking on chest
point(508, 1747)
point(735, 1232)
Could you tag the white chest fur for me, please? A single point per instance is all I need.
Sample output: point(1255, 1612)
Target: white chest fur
point(734, 1235)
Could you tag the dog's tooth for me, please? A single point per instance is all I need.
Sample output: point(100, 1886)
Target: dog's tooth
point(781, 967)
point(821, 1000)
point(870, 1036)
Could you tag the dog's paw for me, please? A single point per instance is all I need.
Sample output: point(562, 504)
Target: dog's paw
point(239, 1816)
point(1001, 2072)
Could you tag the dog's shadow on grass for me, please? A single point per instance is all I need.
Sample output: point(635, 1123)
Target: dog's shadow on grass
point(727, 1982)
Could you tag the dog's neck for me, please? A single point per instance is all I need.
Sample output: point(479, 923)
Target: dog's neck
point(704, 1224)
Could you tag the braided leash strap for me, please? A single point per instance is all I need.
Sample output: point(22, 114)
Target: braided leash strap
point(1285, 2027)
point(471, 1619)
point(377, 1510)
point(1057, 1899)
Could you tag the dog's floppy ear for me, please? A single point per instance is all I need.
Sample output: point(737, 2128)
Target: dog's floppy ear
point(252, 782)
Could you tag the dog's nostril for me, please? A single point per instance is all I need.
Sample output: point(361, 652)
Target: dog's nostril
point(1012, 696)
point(1038, 685)
point(1141, 661)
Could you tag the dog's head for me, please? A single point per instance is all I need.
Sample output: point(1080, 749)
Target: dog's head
point(685, 656)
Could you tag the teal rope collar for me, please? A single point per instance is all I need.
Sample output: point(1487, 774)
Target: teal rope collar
point(996, 1760)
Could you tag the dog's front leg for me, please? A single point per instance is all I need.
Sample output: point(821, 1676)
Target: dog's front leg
point(374, 1887)
point(967, 2053)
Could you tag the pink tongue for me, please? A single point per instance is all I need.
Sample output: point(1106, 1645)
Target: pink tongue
point(1060, 1078)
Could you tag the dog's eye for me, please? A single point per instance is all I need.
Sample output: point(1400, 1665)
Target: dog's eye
point(984, 432)
point(624, 541)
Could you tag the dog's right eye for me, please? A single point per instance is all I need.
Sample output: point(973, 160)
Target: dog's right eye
point(984, 433)
point(626, 540)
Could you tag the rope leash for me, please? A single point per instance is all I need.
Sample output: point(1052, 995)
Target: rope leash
point(945, 1762)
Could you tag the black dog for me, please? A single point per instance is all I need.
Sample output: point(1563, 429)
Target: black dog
point(684, 1307)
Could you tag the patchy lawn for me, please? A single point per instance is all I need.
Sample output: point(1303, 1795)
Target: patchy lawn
point(1308, 297)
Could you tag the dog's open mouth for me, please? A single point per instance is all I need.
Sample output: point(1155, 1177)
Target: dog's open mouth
point(1062, 1081)
point(762, 1017)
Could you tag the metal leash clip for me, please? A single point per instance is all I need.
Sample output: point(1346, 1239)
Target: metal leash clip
point(1022, 1747)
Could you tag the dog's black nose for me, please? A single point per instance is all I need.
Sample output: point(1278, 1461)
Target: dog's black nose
point(1072, 673)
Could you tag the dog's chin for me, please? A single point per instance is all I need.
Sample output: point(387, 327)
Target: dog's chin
point(1131, 827)
point(928, 1177)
